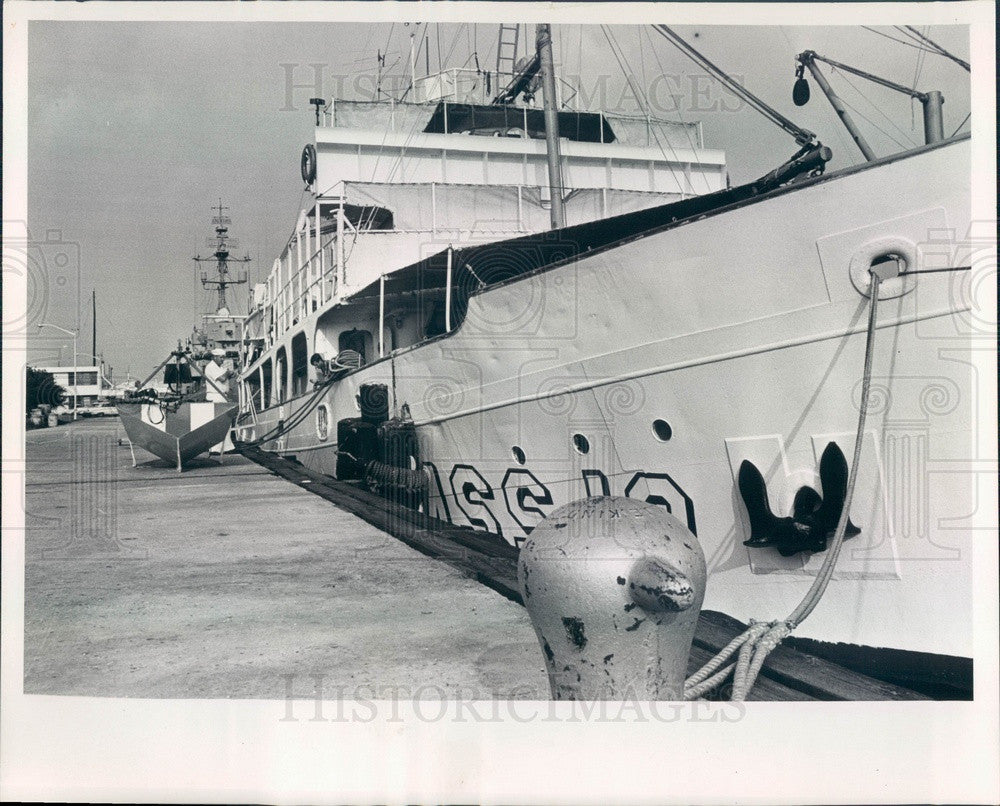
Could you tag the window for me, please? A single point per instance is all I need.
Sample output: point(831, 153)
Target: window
point(265, 375)
point(300, 365)
point(281, 375)
point(662, 430)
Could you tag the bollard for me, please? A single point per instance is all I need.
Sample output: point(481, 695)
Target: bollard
point(614, 587)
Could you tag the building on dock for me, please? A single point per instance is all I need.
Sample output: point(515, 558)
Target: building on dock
point(85, 383)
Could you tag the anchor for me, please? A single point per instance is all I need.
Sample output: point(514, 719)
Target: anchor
point(814, 516)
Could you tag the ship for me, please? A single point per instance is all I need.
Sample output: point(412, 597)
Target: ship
point(490, 308)
point(194, 409)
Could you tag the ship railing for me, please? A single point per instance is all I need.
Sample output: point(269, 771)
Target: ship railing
point(455, 84)
point(324, 273)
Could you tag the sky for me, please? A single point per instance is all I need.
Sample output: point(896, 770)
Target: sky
point(136, 129)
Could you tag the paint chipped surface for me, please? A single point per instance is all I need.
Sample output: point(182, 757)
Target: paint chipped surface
point(574, 631)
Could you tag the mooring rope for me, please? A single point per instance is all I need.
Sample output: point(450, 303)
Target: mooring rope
point(297, 417)
point(761, 638)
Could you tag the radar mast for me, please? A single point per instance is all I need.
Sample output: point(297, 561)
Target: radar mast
point(221, 245)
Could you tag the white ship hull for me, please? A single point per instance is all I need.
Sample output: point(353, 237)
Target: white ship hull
point(742, 332)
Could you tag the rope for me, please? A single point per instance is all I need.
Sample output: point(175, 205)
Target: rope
point(801, 135)
point(919, 67)
point(641, 101)
point(760, 638)
point(680, 113)
point(960, 125)
point(894, 39)
point(938, 49)
point(878, 109)
point(296, 419)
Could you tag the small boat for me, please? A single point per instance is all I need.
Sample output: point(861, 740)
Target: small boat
point(179, 435)
point(180, 424)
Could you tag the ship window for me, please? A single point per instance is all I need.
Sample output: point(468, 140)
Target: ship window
point(581, 443)
point(300, 365)
point(662, 430)
point(265, 376)
point(518, 453)
point(281, 376)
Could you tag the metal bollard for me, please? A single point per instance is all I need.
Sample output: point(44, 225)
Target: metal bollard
point(614, 587)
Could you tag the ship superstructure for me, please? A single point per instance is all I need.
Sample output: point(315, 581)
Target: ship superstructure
point(396, 184)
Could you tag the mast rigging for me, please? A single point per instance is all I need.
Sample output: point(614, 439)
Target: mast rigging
point(802, 136)
point(222, 259)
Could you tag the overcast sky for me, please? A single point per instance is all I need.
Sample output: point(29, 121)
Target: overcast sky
point(136, 129)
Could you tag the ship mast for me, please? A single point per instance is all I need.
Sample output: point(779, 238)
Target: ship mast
point(543, 41)
point(221, 246)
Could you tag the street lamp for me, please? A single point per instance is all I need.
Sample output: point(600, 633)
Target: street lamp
point(74, 335)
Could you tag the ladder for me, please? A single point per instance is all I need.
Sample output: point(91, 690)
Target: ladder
point(506, 50)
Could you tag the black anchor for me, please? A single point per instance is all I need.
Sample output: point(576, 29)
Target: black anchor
point(814, 517)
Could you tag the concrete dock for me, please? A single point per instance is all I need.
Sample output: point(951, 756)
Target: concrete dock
point(227, 582)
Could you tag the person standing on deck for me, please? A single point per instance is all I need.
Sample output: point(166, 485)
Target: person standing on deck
point(218, 375)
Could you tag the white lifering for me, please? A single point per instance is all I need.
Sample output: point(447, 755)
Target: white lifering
point(861, 263)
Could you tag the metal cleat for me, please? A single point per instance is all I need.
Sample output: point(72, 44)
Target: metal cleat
point(614, 587)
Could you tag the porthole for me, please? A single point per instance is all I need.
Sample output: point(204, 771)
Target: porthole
point(662, 430)
point(518, 455)
point(581, 443)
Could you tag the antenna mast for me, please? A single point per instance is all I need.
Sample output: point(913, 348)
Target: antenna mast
point(221, 244)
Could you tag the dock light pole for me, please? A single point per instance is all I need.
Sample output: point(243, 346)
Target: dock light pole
point(74, 335)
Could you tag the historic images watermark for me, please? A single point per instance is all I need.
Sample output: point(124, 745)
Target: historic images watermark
point(664, 94)
point(47, 265)
point(89, 530)
point(312, 698)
